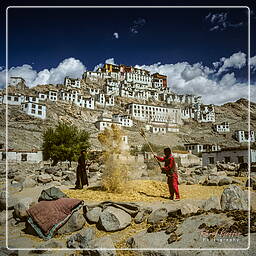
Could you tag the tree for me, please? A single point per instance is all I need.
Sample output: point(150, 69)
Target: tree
point(64, 143)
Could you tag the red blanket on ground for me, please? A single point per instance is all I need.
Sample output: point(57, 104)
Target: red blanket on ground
point(46, 214)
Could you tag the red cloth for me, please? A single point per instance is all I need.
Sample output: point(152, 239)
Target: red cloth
point(172, 182)
point(168, 163)
point(48, 213)
point(172, 177)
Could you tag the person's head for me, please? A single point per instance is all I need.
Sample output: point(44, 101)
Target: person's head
point(167, 151)
point(82, 151)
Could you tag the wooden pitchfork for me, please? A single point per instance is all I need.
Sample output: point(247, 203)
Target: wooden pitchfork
point(142, 133)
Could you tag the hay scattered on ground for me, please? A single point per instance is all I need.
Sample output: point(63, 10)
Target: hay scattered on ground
point(145, 191)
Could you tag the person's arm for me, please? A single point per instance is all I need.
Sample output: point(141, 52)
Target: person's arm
point(161, 159)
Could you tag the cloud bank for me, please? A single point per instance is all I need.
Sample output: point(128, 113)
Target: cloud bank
point(217, 84)
point(68, 67)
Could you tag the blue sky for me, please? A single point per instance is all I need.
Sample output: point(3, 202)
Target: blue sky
point(192, 46)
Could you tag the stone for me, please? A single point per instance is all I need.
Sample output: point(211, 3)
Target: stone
point(93, 215)
point(15, 188)
point(224, 180)
point(3, 217)
point(82, 239)
point(113, 219)
point(142, 215)
point(20, 209)
point(157, 215)
point(234, 198)
point(213, 180)
point(53, 243)
point(144, 240)
point(212, 203)
point(103, 242)
point(11, 201)
point(44, 178)
point(70, 176)
point(28, 183)
point(74, 223)
point(19, 178)
point(188, 208)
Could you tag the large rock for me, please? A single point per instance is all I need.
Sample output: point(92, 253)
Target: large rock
point(234, 198)
point(11, 201)
point(213, 180)
point(103, 242)
point(44, 178)
point(82, 239)
point(157, 215)
point(142, 215)
point(15, 188)
point(74, 223)
point(212, 203)
point(188, 208)
point(28, 183)
point(93, 215)
point(70, 176)
point(224, 180)
point(113, 219)
point(20, 209)
point(144, 240)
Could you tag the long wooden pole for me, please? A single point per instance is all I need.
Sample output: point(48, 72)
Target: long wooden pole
point(142, 133)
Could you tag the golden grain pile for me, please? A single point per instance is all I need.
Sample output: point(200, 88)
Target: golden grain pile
point(145, 191)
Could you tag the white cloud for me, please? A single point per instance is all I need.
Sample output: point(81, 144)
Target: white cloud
point(69, 67)
point(116, 35)
point(110, 61)
point(253, 63)
point(184, 78)
point(237, 60)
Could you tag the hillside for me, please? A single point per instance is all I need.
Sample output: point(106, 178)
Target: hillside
point(25, 132)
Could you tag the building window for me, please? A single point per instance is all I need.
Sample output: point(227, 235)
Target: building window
point(227, 159)
point(211, 160)
point(240, 159)
point(24, 157)
point(33, 111)
point(16, 98)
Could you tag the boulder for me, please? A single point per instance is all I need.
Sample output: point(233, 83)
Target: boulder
point(157, 215)
point(188, 208)
point(234, 198)
point(93, 214)
point(44, 178)
point(224, 180)
point(145, 240)
point(190, 181)
point(113, 219)
point(20, 209)
point(70, 176)
point(82, 239)
point(103, 242)
point(15, 188)
point(211, 203)
point(19, 178)
point(28, 183)
point(74, 223)
point(142, 215)
point(11, 201)
point(53, 243)
point(3, 217)
point(213, 180)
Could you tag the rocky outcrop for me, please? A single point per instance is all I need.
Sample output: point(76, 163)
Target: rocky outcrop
point(114, 219)
point(234, 198)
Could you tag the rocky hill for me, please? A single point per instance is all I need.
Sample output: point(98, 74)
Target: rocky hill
point(25, 132)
